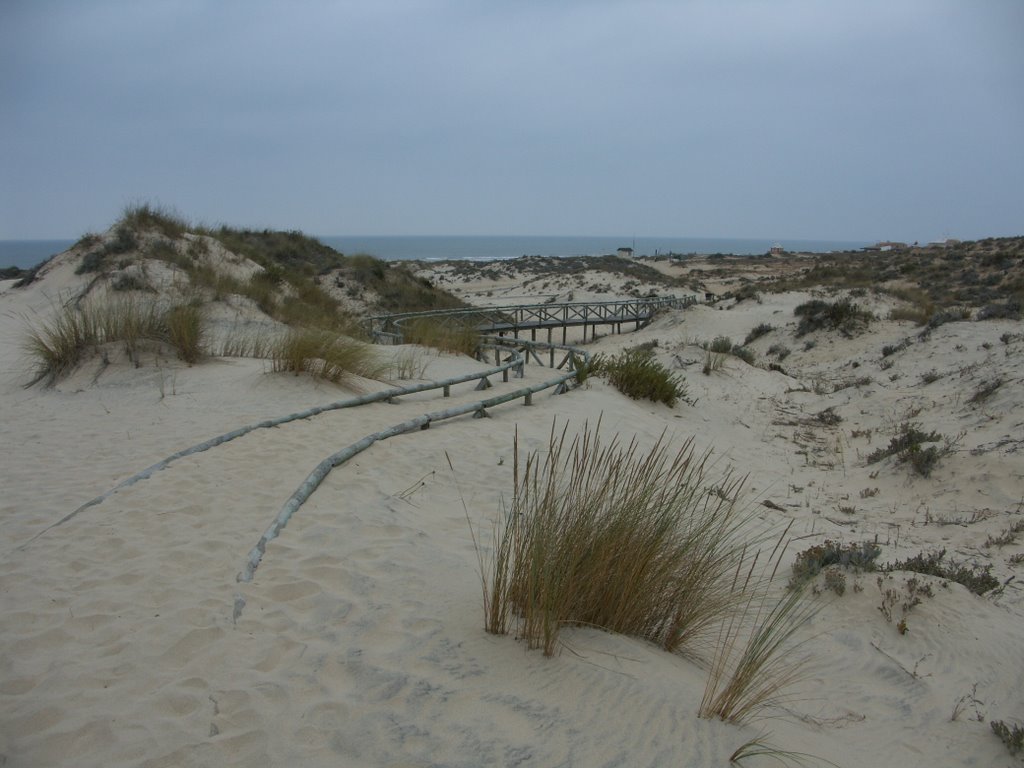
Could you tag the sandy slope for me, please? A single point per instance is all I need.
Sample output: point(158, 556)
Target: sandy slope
point(128, 641)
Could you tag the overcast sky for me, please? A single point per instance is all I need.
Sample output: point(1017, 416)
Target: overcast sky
point(831, 119)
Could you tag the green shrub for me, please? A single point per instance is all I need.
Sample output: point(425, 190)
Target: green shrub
point(744, 354)
point(757, 332)
point(132, 281)
point(637, 374)
point(986, 390)
point(977, 579)
point(906, 446)
point(94, 261)
point(951, 315)
point(1007, 310)
point(892, 349)
point(721, 344)
point(1012, 737)
point(815, 559)
point(843, 316)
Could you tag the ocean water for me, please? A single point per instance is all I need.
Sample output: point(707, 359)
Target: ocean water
point(485, 248)
point(28, 253)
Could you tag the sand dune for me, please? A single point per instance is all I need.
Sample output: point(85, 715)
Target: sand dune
point(127, 639)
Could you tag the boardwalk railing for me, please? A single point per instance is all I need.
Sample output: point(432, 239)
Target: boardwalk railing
point(387, 329)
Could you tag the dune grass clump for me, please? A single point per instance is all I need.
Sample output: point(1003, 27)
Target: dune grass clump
point(641, 543)
point(242, 342)
point(638, 375)
point(56, 346)
point(755, 657)
point(142, 216)
point(409, 364)
point(844, 316)
point(325, 355)
point(713, 362)
point(616, 538)
point(444, 334)
point(185, 331)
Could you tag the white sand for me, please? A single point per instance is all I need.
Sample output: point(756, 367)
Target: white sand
point(361, 643)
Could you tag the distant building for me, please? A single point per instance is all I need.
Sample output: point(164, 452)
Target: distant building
point(625, 253)
point(776, 250)
point(885, 245)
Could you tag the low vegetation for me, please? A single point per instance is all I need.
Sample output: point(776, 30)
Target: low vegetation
point(1011, 735)
point(984, 274)
point(446, 334)
point(908, 448)
point(762, 329)
point(717, 349)
point(978, 579)
point(637, 374)
point(290, 287)
point(57, 345)
point(326, 355)
point(808, 564)
point(843, 315)
point(640, 543)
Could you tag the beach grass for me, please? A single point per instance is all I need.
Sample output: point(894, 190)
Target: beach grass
point(443, 334)
point(325, 355)
point(75, 330)
point(756, 654)
point(619, 538)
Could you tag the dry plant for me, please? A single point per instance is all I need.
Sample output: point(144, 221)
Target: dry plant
point(756, 654)
point(325, 355)
point(240, 342)
point(185, 331)
point(615, 538)
point(57, 345)
point(444, 334)
point(713, 362)
point(760, 747)
point(409, 363)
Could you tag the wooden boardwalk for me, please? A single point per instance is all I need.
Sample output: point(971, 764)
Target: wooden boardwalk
point(514, 320)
